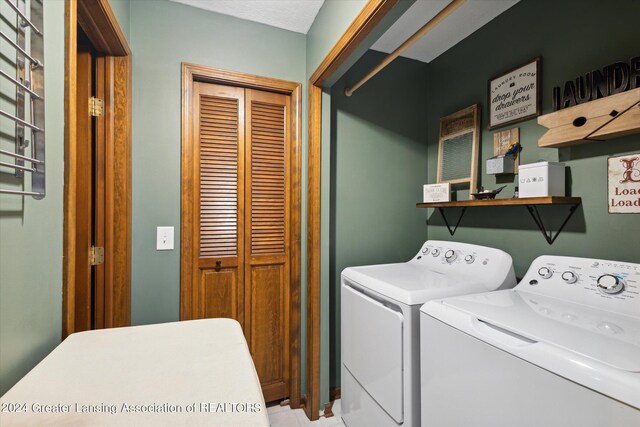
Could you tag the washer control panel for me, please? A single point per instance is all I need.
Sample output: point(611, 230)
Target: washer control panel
point(473, 262)
point(609, 285)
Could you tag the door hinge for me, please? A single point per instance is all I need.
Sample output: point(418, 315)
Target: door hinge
point(96, 255)
point(96, 107)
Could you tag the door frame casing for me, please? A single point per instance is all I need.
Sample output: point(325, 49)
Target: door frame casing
point(368, 18)
point(196, 73)
point(99, 23)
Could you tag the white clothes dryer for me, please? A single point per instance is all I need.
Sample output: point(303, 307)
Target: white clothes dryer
point(561, 349)
point(380, 381)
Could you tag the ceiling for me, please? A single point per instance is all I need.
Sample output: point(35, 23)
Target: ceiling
point(292, 15)
point(465, 20)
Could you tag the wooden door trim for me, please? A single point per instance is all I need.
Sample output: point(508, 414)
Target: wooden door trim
point(370, 16)
point(197, 73)
point(98, 21)
point(101, 26)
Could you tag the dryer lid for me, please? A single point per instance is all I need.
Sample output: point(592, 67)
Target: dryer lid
point(408, 283)
point(597, 335)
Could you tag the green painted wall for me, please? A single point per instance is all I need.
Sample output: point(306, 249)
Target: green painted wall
point(378, 165)
point(572, 38)
point(121, 8)
point(164, 34)
point(31, 230)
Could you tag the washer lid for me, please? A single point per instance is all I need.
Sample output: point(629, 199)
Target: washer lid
point(408, 283)
point(595, 334)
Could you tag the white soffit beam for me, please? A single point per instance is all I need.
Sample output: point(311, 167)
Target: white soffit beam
point(464, 21)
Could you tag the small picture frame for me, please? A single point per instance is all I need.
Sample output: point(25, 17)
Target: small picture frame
point(502, 140)
point(515, 95)
point(434, 193)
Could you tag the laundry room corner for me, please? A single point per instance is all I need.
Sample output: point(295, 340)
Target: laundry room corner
point(571, 39)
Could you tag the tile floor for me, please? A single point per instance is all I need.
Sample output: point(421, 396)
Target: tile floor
point(284, 416)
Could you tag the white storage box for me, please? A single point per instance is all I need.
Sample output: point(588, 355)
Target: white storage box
point(542, 179)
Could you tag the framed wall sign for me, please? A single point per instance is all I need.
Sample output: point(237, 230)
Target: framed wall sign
point(516, 95)
point(624, 184)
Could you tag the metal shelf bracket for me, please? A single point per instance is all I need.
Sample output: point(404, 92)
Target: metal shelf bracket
point(537, 218)
point(549, 236)
point(452, 232)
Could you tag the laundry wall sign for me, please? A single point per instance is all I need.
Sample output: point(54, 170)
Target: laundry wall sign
point(624, 184)
point(597, 84)
point(515, 96)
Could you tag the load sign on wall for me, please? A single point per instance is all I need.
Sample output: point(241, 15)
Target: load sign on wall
point(624, 184)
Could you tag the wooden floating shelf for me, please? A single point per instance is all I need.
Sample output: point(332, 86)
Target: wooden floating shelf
point(531, 203)
point(505, 202)
point(611, 117)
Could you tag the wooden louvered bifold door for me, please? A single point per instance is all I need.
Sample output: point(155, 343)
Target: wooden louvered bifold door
point(242, 217)
point(220, 203)
point(267, 268)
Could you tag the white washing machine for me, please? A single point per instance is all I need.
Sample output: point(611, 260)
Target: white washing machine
point(380, 325)
point(560, 349)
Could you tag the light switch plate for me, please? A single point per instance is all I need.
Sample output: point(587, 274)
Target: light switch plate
point(164, 239)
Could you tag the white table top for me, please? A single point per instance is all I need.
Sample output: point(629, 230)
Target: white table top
point(196, 373)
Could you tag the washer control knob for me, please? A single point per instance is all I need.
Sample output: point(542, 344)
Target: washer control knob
point(450, 255)
point(469, 259)
point(545, 272)
point(435, 252)
point(610, 284)
point(425, 250)
point(569, 276)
